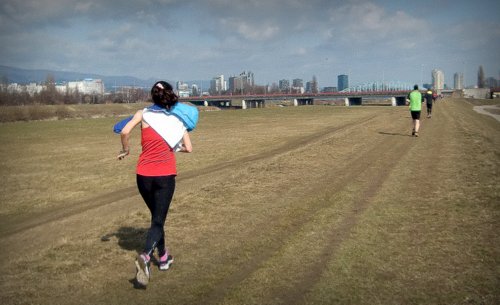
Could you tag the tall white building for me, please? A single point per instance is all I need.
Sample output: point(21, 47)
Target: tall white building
point(458, 81)
point(437, 79)
point(195, 91)
point(182, 89)
point(298, 85)
point(247, 78)
point(218, 85)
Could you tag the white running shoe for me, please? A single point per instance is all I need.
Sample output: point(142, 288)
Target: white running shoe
point(165, 261)
point(143, 272)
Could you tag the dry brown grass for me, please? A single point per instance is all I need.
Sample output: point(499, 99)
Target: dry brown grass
point(62, 112)
point(302, 205)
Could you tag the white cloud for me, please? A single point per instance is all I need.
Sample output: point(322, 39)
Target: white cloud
point(365, 23)
point(301, 51)
point(195, 37)
point(472, 35)
point(83, 7)
point(248, 31)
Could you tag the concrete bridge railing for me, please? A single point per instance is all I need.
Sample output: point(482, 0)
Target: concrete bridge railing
point(246, 102)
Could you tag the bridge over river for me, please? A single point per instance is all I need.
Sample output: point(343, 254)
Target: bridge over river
point(392, 98)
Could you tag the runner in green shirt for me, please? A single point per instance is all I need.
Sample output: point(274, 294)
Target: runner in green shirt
point(415, 100)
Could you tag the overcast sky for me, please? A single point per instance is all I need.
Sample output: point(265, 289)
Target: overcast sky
point(275, 39)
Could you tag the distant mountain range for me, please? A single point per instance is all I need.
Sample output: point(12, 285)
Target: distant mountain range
point(24, 76)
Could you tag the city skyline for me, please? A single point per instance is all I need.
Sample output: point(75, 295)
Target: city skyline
point(13, 75)
point(275, 39)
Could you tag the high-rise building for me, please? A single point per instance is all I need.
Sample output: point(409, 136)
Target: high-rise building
point(314, 85)
point(437, 79)
point(342, 82)
point(247, 78)
point(309, 86)
point(458, 81)
point(242, 83)
point(195, 91)
point(298, 85)
point(491, 82)
point(182, 89)
point(284, 85)
point(235, 84)
point(217, 85)
point(481, 78)
point(297, 82)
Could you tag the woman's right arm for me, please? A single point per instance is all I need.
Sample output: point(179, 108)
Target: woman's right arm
point(125, 134)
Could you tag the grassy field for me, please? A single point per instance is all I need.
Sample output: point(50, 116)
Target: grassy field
point(294, 205)
point(62, 112)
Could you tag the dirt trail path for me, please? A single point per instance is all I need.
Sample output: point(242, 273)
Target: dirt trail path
point(65, 224)
point(362, 168)
point(449, 129)
point(27, 233)
point(257, 230)
point(434, 136)
point(15, 224)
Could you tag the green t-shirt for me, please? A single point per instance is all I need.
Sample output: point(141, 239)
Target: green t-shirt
point(415, 100)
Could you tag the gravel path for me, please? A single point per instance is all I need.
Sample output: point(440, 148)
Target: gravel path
point(489, 110)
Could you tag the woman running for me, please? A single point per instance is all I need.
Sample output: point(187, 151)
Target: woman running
point(156, 170)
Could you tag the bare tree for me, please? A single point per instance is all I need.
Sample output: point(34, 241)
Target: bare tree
point(49, 94)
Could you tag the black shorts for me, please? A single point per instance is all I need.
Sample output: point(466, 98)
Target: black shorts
point(415, 115)
point(429, 105)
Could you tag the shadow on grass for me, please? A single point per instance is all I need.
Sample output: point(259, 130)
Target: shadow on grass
point(394, 134)
point(136, 284)
point(129, 238)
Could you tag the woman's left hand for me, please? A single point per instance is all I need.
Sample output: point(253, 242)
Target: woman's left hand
point(123, 153)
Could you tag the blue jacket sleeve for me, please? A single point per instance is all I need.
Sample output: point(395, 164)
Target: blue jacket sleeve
point(119, 126)
point(187, 114)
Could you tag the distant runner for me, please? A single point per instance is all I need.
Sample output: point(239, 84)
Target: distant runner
point(435, 97)
point(415, 101)
point(429, 98)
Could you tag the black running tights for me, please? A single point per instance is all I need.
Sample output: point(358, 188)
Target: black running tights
point(157, 192)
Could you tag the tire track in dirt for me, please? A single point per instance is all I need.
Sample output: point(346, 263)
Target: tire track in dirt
point(16, 224)
point(393, 146)
point(297, 293)
point(342, 232)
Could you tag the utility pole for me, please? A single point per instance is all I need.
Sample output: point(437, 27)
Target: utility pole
point(464, 77)
point(422, 75)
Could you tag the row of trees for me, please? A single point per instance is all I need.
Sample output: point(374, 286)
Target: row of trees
point(50, 96)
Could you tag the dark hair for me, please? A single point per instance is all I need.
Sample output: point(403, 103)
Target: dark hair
point(163, 94)
point(415, 87)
